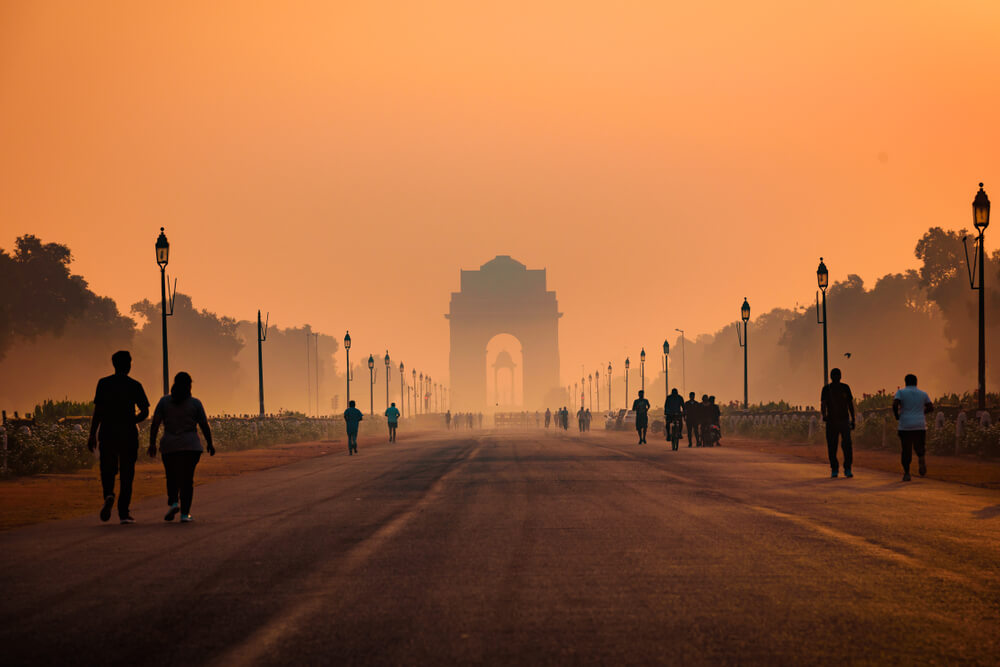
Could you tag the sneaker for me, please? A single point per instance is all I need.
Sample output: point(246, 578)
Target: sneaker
point(126, 520)
point(847, 472)
point(922, 469)
point(906, 477)
point(109, 502)
point(172, 512)
point(834, 473)
point(186, 518)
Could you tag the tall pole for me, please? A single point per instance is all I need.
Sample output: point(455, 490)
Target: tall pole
point(826, 357)
point(371, 387)
point(684, 372)
point(316, 362)
point(746, 345)
point(626, 384)
point(982, 322)
point(348, 374)
point(309, 400)
point(261, 336)
point(163, 313)
point(597, 376)
point(402, 401)
point(609, 386)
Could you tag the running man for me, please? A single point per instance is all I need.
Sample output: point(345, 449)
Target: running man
point(837, 407)
point(352, 418)
point(392, 418)
point(673, 409)
point(120, 404)
point(641, 408)
point(910, 405)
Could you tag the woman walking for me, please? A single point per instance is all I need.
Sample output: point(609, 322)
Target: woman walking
point(181, 414)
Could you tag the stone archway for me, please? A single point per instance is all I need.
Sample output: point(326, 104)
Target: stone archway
point(503, 296)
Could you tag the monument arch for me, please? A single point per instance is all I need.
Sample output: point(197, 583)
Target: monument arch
point(503, 297)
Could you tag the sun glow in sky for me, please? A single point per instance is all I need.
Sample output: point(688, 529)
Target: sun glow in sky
point(338, 163)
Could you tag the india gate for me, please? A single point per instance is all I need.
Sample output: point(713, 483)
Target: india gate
point(504, 297)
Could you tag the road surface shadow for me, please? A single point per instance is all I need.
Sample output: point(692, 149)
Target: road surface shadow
point(987, 512)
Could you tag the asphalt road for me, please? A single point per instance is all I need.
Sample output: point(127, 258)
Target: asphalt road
point(525, 548)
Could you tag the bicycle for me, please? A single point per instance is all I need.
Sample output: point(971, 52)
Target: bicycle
point(673, 431)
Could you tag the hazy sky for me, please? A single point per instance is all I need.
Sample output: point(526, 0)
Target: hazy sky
point(338, 163)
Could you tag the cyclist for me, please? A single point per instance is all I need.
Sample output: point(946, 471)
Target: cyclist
point(672, 410)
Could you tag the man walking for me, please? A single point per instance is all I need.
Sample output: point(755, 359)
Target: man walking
point(447, 419)
point(120, 404)
point(641, 408)
point(548, 417)
point(910, 405)
point(352, 418)
point(837, 407)
point(692, 417)
point(580, 419)
point(392, 418)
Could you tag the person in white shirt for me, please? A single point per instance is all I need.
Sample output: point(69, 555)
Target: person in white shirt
point(909, 405)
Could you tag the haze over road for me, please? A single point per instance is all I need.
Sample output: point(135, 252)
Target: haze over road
point(520, 548)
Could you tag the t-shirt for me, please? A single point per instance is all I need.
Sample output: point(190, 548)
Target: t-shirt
point(692, 411)
point(911, 410)
point(180, 424)
point(673, 404)
point(641, 407)
point(352, 417)
point(838, 399)
point(392, 415)
point(116, 400)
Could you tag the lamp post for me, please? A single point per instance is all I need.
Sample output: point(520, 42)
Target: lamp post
point(626, 382)
point(371, 378)
point(642, 368)
point(420, 397)
point(597, 376)
point(741, 337)
point(666, 366)
point(347, 349)
point(401, 380)
point(387, 362)
point(261, 337)
point(590, 391)
point(684, 370)
point(416, 402)
point(609, 386)
point(166, 307)
point(428, 406)
point(981, 220)
point(823, 280)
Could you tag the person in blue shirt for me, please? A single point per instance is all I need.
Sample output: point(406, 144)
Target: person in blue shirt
point(673, 408)
point(352, 418)
point(909, 405)
point(392, 417)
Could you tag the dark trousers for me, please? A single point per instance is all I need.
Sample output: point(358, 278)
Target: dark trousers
point(694, 428)
point(912, 441)
point(179, 467)
point(352, 440)
point(117, 460)
point(841, 430)
point(392, 431)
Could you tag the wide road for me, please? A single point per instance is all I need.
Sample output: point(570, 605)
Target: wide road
point(520, 548)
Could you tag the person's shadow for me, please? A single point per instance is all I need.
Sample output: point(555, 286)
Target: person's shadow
point(987, 512)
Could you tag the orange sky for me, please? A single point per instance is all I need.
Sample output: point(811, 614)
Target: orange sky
point(338, 163)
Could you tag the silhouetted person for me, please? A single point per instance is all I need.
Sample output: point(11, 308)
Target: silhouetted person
point(581, 417)
point(447, 419)
point(392, 419)
point(565, 418)
point(673, 410)
point(641, 408)
point(479, 418)
point(692, 416)
point(909, 405)
point(586, 421)
point(715, 421)
point(119, 405)
point(704, 422)
point(548, 417)
point(352, 419)
point(837, 407)
point(181, 415)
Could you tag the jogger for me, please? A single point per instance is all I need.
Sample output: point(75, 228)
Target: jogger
point(910, 405)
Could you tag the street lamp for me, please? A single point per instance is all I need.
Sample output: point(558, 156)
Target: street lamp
point(742, 339)
point(167, 307)
point(642, 368)
point(387, 362)
point(416, 403)
point(371, 385)
point(261, 337)
point(597, 376)
point(590, 391)
point(420, 398)
point(626, 382)
point(609, 386)
point(666, 366)
point(823, 280)
point(981, 220)
point(347, 349)
point(684, 370)
point(401, 380)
